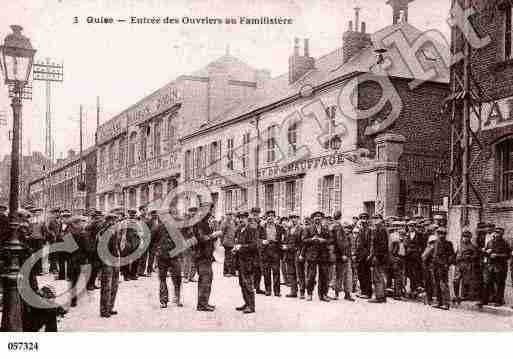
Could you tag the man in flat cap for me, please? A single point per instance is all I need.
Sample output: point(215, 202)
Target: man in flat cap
point(54, 234)
point(189, 269)
point(443, 258)
point(258, 270)
point(245, 251)
point(378, 257)
point(467, 257)
point(92, 230)
point(38, 233)
point(271, 254)
point(341, 234)
point(316, 238)
point(362, 253)
point(415, 245)
point(291, 249)
point(497, 253)
point(109, 232)
point(78, 258)
point(228, 227)
point(429, 270)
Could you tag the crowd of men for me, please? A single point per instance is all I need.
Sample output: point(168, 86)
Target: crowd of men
point(401, 258)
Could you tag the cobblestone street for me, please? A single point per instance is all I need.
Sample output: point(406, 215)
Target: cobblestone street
point(139, 310)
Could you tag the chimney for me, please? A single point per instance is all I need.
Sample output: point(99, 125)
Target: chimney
point(262, 77)
point(399, 10)
point(71, 153)
point(354, 40)
point(300, 64)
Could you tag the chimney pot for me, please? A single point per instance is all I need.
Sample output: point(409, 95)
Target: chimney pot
point(296, 46)
point(364, 27)
point(350, 27)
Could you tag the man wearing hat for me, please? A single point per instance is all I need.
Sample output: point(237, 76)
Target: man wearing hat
point(397, 259)
point(257, 272)
point(341, 234)
point(203, 258)
point(443, 258)
point(54, 234)
point(75, 231)
point(38, 233)
point(109, 237)
point(130, 242)
point(291, 247)
point(429, 270)
point(378, 257)
point(497, 253)
point(271, 254)
point(245, 252)
point(362, 252)
point(228, 228)
point(64, 263)
point(415, 245)
point(316, 238)
point(467, 257)
point(188, 267)
point(92, 230)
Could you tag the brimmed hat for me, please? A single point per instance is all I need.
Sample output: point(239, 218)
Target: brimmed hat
point(243, 214)
point(256, 210)
point(466, 233)
point(499, 230)
point(441, 230)
point(270, 212)
point(346, 224)
point(293, 215)
point(129, 211)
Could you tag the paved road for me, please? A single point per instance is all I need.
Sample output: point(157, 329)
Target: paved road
point(139, 310)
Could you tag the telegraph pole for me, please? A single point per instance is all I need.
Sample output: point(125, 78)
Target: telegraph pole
point(49, 72)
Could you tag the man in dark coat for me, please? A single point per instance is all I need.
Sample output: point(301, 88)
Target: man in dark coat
point(271, 254)
point(130, 241)
point(245, 252)
point(54, 234)
point(168, 240)
point(443, 258)
point(467, 257)
point(291, 246)
point(415, 245)
point(379, 258)
point(497, 253)
point(75, 231)
point(94, 260)
point(362, 252)
point(342, 235)
point(316, 238)
point(203, 257)
point(109, 232)
point(228, 228)
point(258, 271)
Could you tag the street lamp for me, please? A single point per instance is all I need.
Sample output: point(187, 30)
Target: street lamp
point(17, 57)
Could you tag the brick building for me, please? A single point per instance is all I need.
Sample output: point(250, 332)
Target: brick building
point(138, 150)
point(492, 71)
point(346, 131)
point(60, 185)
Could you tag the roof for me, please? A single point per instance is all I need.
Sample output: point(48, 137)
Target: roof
point(330, 67)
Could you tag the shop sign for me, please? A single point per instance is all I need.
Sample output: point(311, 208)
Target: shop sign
point(494, 114)
point(302, 166)
point(158, 103)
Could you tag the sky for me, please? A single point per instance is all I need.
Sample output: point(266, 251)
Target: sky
point(122, 62)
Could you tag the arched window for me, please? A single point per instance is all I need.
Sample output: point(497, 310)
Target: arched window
point(131, 148)
point(157, 191)
point(144, 131)
point(121, 153)
point(292, 136)
point(102, 159)
point(145, 194)
point(111, 156)
point(171, 132)
point(132, 198)
point(271, 143)
point(156, 138)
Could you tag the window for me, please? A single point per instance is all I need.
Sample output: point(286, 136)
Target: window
point(145, 194)
point(111, 156)
point(121, 153)
point(244, 197)
point(215, 156)
point(170, 132)
point(200, 153)
point(271, 143)
point(131, 148)
point(245, 150)
point(269, 196)
point(292, 138)
point(508, 23)
point(328, 194)
point(132, 198)
point(228, 201)
point(505, 156)
point(156, 138)
point(157, 191)
point(334, 141)
point(144, 143)
point(102, 159)
point(187, 162)
point(229, 153)
point(290, 195)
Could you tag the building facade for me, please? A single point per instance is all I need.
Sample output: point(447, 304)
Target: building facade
point(63, 187)
point(139, 152)
point(492, 71)
point(346, 131)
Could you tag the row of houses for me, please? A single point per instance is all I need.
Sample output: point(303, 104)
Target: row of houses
point(357, 129)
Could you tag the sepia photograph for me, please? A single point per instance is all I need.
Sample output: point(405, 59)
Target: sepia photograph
point(255, 166)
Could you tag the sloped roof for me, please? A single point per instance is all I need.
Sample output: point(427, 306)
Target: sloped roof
point(237, 69)
point(331, 67)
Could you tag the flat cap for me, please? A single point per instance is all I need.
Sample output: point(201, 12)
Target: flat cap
point(256, 210)
point(441, 230)
point(363, 215)
point(270, 212)
point(243, 214)
point(317, 214)
point(466, 233)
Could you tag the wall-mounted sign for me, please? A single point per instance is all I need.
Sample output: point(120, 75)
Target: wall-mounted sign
point(159, 102)
point(112, 128)
point(302, 166)
point(494, 114)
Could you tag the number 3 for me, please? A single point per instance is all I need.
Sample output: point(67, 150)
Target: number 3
point(75, 20)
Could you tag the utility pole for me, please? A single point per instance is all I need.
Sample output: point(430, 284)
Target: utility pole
point(49, 72)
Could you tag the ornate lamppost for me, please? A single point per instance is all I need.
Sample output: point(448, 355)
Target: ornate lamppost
point(17, 57)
